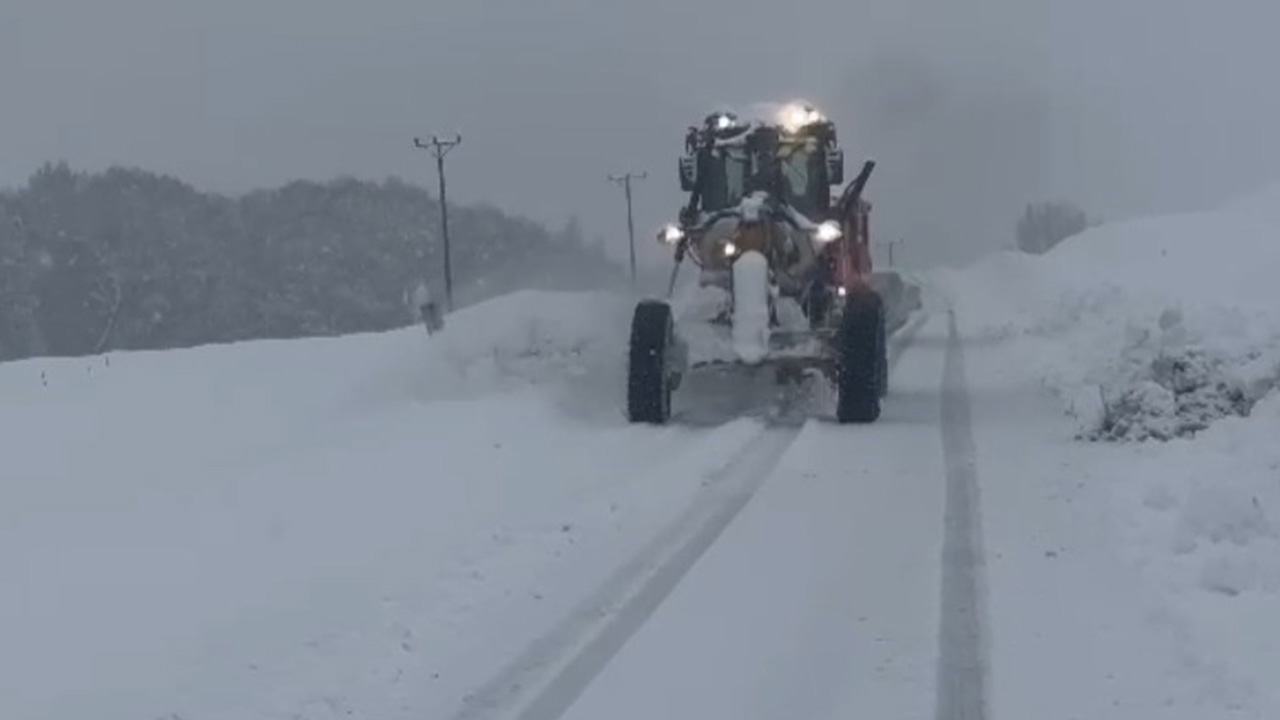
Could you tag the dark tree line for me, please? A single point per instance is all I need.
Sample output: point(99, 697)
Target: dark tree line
point(127, 259)
point(1044, 225)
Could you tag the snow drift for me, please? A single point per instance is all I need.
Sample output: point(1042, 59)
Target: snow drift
point(1165, 329)
point(1148, 328)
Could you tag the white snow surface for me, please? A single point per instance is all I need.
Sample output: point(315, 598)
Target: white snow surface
point(1207, 278)
point(379, 526)
point(820, 600)
point(356, 527)
point(1195, 519)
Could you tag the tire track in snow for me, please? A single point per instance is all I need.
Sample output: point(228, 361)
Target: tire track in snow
point(546, 679)
point(963, 660)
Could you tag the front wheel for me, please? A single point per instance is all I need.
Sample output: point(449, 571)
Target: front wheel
point(860, 361)
point(649, 380)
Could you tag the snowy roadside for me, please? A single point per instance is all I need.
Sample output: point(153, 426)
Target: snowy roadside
point(1155, 349)
point(364, 526)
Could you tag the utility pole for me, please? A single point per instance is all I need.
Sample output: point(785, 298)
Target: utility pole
point(625, 181)
point(892, 243)
point(439, 148)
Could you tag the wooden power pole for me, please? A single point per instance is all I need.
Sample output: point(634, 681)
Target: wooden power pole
point(439, 148)
point(624, 180)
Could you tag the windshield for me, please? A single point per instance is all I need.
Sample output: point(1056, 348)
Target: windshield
point(728, 173)
point(726, 179)
point(799, 166)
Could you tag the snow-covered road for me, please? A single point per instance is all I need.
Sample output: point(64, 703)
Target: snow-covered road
point(825, 598)
point(544, 681)
point(276, 529)
point(821, 599)
point(387, 526)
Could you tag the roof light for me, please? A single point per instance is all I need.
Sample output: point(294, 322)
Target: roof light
point(721, 120)
point(796, 116)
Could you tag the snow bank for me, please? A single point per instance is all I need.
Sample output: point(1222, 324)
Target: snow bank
point(524, 337)
point(1201, 523)
point(1165, 329)
point(1219, 500)
point(267, 393)
point(535, 336)
point(1148, 329)
point(571, 343)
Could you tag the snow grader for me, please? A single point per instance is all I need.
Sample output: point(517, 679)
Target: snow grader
point(783, 255)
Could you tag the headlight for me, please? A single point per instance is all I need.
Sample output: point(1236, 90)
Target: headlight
point(671, 234)
point(730, 249)
point(827, 232)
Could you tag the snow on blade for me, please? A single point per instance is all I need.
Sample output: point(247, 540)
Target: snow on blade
point(751, 307)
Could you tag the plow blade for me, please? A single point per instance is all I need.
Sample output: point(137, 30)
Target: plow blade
point(901, 298)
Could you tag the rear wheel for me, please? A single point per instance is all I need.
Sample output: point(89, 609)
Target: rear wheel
point(860, 362)
point(648, 377)
point(882, 356)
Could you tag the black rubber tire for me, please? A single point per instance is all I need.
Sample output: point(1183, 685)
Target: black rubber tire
point(859, 358)
point(818, 304)
point(648, 379)
point(882, 376)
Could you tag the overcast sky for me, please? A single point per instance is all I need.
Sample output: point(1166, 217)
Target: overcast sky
point(971, 108)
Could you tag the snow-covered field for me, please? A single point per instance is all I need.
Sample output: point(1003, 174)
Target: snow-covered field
point(1069, 509)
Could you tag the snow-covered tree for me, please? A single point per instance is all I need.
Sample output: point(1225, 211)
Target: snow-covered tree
point(1042, 226)
point(127, 259)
